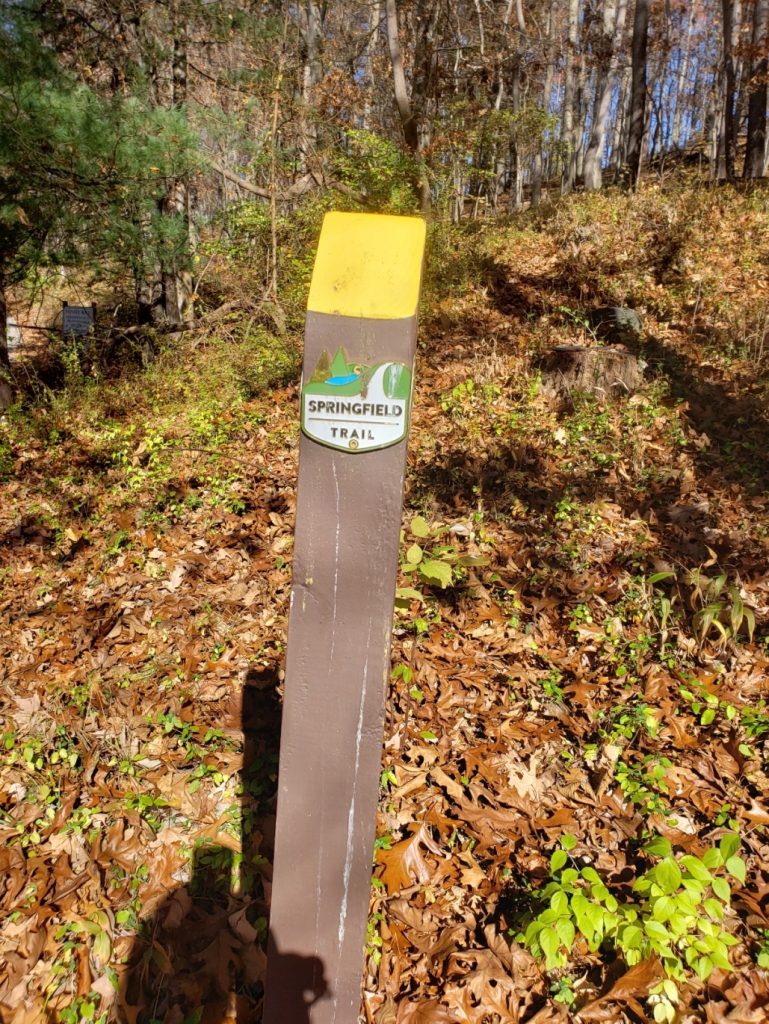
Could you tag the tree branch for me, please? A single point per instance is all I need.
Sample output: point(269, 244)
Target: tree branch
point(305, 184)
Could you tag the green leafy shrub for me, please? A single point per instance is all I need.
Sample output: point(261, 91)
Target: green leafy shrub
point(240, 256)
point(678, 917)
point(720, 607)
point(642, 784)
point(380, 170)
point(430, 560)
point(454, 260)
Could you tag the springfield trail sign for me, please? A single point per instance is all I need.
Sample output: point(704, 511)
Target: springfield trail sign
point(360, 340)
point(354, 407)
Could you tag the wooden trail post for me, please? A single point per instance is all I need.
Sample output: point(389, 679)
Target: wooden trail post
point(360, 339)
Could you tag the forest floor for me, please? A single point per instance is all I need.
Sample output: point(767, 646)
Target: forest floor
point(585, 713)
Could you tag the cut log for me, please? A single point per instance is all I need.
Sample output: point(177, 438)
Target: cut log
point(599, 371)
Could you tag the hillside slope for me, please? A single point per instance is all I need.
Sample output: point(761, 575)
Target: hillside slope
point(598, 685)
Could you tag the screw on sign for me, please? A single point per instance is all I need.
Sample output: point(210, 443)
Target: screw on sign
point(360, 340)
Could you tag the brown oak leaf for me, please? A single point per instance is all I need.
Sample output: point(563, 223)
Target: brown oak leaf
point(404, 864)
point(428, 1012)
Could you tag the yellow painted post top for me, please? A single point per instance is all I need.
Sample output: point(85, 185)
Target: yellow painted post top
point(368, 265)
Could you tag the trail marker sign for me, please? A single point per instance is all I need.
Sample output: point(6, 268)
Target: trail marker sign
point(360, 339)
point(354, 407)
point(77, 320)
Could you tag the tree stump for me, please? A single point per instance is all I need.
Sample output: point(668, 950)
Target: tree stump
point(600, 371)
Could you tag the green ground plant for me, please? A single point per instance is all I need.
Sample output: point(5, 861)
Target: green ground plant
point(720, 608)
point(643, 783)
point(679, 914)
point(153, 808)
point(432, 558)
point(469, 400)
point(6, 456)
point(624, 722)
point(374, 936)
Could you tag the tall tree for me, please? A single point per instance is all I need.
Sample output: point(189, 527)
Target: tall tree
point(682, 74)
point(731, 19)
point(755, 153)
point(609, 44)
point(312, 72)
point(400, 86)
point(140, 49)
point(83, 178)
point(370, 52)
point(415, 105)
point(164, 288)
point(538, 167)
point(570, 124)
point(638, 96)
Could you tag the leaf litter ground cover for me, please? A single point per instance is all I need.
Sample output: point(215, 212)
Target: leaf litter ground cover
point(573, 815)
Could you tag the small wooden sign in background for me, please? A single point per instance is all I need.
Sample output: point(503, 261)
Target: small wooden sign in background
point(77, 320)
point(360, 340)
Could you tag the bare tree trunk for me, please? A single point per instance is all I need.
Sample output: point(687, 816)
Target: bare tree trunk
point(499, 156)
point(426, 78)
point(654, 108)
point(638, 91)
point(481, 32)
point(742, 71)
point(613, 27)
point(457, 198)
point(714, 118)
point(714, 135)
point(416, 107)
point(164, 292)
point(568, 131)
point(311, 74)
point(729, 142)
point(755, 154)
point(516, 160)
point(580, 118)
point(547, 90)
point(177, 280)
point(702, 93)
point(681, 77)
point(519, 17)
point(373, 32)
point(619, 135)
point(272, 282)
point(402, 97)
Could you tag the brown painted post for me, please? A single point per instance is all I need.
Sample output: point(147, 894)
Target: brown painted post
point(360, 341)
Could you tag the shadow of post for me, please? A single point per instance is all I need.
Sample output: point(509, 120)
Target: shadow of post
point(200, 958)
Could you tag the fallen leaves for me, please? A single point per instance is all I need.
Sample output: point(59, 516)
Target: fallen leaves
point(428, 1012)
point(404, 863)
point(120, 750)
point(634, 984)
